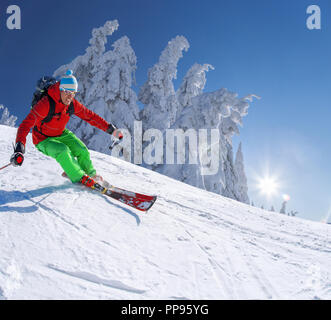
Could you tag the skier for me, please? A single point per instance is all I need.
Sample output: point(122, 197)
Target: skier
point(54, 140)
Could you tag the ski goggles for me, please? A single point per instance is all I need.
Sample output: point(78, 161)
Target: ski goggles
point(69, 92)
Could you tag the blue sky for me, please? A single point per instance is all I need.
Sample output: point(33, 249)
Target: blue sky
point(256, 46)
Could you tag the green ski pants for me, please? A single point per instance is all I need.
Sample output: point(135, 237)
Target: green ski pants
point(70, 152)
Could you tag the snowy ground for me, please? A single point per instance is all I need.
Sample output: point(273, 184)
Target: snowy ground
point(62, 241)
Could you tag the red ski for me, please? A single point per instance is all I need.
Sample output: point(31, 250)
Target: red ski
point(135, 200)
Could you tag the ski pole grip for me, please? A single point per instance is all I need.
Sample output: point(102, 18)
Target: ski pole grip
point(17, 159)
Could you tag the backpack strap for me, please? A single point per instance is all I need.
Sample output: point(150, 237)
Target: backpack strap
point(71, 109)
point(51, 112)
point(49, 117)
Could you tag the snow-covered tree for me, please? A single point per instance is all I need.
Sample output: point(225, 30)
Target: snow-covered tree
point(283, 208)
point(229, 127)
point(293, 213)
point(105, 86)
point(272, 209)
point(214, 170)
point(6, 118)
point(158, 93)
point(242, 187)
point(192, 85)
point(230, 183)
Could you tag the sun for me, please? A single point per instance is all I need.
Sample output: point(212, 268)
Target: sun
point(268, 186)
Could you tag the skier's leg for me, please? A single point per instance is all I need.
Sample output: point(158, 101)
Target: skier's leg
point(78, 150)
point(62, 154)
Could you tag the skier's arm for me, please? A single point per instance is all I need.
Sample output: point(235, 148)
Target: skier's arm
point(95, 120)
point(37, 113)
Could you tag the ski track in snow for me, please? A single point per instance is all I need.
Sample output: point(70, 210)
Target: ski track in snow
point(219, 273)
point(86, 276)
point(240, 251)
point(62, 241)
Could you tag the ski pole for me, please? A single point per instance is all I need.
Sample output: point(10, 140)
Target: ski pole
point(114, 143)
point(7, 165)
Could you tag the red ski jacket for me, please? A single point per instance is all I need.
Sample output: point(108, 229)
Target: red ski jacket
point(58, 123)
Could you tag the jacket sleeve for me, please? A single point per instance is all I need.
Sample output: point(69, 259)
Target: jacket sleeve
point(91, 117)
point(37, 113)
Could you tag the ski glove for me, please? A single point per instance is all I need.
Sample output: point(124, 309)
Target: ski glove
point(115, 132)
point(118, 134)
point(17, 158)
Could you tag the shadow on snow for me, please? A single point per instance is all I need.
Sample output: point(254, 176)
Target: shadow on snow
point(16, 196)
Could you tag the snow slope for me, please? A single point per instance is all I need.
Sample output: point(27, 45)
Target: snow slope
point(62, 241)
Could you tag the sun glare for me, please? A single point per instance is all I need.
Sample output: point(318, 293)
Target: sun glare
point(286, 197)
point(268, 186)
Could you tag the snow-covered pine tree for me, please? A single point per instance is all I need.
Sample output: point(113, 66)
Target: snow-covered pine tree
point(158, 93)
point(242, 187)
point(105, 86)
point(6, 118)
point(220, 110)
point(192, 85)
point(283, 208)
point(293, 213)
point(229, 127)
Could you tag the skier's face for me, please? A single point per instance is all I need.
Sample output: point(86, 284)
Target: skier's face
point(67, 97)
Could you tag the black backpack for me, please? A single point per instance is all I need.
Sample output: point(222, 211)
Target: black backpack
point(42, 87)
